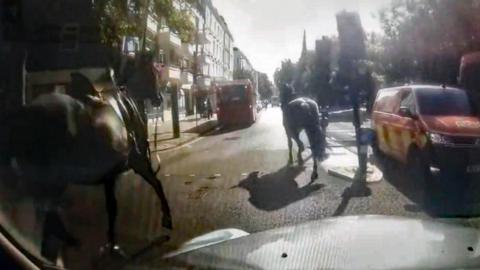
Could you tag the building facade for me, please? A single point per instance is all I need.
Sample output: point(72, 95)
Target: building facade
point(243, 69)
point(193, 67)
point(220, 48)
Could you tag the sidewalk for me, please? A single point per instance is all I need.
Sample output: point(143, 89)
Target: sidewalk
point(191, 127)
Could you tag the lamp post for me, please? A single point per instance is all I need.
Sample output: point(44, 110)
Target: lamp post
point(359, 70)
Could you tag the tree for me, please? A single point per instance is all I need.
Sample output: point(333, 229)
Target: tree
point(284, 75)
point(284, 78)
point(265, 86)
point(353, 67)
point(117, 18)
point(319, 79)
point(425, 39)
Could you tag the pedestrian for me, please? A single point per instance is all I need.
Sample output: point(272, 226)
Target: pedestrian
point(209, 109)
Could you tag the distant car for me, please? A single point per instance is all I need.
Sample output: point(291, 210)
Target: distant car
point(427, 126)
point(259, 105)
point(275, 101)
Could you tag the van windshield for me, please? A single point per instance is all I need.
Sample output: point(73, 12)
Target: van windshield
point(444, 103)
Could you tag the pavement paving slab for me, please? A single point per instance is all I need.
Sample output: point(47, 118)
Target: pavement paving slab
point(190, 129)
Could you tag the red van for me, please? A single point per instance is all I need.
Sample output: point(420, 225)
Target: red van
point(427, 126)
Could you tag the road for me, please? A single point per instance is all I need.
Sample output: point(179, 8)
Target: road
point(240, 179)
point(225, 179)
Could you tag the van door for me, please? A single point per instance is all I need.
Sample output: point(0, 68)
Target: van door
point(406, 128)
point(382, 116)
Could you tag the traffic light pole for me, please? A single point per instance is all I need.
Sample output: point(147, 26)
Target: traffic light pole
point(175, 118)
point(362, 154)
point(195, 71)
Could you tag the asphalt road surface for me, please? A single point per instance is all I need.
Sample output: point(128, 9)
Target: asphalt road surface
point(225, 179)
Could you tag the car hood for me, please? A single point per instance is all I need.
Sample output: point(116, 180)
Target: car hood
point(453, 125)
point(358, 242)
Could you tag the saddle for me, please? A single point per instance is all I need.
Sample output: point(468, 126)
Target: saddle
point(123, 105)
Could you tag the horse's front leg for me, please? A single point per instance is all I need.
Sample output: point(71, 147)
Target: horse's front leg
point(148, 174)
point(111, 205)
point(314, 144)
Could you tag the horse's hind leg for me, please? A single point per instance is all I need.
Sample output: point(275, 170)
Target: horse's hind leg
point(54, 228)
point(289, 140)
point(149, 176)
point(301, 147)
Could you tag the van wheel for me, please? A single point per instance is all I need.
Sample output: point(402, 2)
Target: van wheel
point(419, 169)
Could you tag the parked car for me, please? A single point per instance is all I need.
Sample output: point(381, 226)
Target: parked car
point(427, 127)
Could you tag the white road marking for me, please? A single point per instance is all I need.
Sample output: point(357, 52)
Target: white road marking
point(189, 144)
point(192, 175)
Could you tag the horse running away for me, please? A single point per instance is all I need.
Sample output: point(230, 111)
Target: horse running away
point(86, 138)
point(303, 114)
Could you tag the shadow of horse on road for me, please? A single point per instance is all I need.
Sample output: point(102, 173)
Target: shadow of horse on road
point(276, 190)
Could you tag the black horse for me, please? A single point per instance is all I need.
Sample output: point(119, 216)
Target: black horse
point(303, 114)
point(89, 137)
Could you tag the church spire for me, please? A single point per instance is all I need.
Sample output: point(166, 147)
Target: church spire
point(304, 45)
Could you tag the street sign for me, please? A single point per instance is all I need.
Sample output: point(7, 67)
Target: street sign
point(130, 45)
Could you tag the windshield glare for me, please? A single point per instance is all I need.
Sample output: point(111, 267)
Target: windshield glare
point(444, 103)
point(129, 129)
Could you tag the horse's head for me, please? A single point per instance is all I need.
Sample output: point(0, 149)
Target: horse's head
point(287, 94)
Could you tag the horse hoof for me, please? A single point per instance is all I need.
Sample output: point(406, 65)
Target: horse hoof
point(314, 176)
point(167, 223)
point(112, 251)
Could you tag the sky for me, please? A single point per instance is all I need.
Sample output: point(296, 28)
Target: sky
point(268, 31)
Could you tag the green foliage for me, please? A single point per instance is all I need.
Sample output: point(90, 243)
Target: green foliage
point(320, 76)
point(117, 18)
point(265, 86)
point(425, 39)
point(284, 75)
point(176, 19)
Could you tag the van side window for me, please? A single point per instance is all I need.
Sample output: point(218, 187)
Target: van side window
point(385, 100)
point(408, 101)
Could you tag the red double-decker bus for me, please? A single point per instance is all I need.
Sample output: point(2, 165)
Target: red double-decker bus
point(236, 103)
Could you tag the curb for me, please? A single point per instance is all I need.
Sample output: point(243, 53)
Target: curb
point(201, 130)
point(339, 175)
point(374, 177)
point(336, 173)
